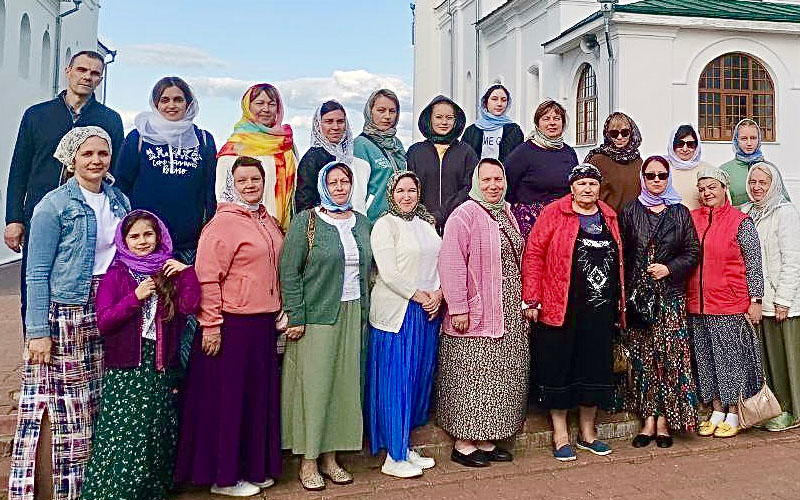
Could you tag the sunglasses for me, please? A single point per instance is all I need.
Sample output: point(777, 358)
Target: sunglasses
point(616, 133)
point(651, 176)
point(689, 144)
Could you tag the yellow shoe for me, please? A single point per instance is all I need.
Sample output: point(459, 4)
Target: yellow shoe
point(725, 430)
point(706, 428)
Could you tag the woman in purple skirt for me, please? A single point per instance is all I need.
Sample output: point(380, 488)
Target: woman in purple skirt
point(230, 427)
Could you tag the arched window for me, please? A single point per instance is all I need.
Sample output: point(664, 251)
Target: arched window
point(24, 46)
point(735, 86)
point(2, 29)
point(586, 113)
point(46, 62)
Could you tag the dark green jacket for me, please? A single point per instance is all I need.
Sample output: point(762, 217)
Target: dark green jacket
point(312, 292)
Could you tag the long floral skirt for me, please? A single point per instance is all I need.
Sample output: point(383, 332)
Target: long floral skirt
point(662, 382)
point(133, 455)
point(68, 388)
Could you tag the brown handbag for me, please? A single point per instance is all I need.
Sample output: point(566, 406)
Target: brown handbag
point(760, 407)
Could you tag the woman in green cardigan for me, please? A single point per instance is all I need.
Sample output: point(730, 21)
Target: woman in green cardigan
point(325, 265)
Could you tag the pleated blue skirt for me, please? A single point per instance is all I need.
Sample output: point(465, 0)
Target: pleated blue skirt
point(400, 369)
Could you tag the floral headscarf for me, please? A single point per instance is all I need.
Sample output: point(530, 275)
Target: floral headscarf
point(342, 150)
point(68, 146)
point(394, 209)
point(583, 171)
point(631, 150)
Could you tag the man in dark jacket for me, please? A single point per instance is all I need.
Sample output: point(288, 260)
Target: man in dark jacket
point(34, 172)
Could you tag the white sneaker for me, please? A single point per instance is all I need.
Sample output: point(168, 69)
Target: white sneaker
point(420, 461)
point(403, 468)
point(265, 484)
point(240, 489)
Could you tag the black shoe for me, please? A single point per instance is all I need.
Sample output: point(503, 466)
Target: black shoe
point(663, 441)
point(475, 459)
point(642, 440)
point(498, 455)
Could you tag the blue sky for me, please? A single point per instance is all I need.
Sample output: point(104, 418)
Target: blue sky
point(312, 50)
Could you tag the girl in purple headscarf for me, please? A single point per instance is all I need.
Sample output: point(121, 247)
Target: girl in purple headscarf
point(142, 304)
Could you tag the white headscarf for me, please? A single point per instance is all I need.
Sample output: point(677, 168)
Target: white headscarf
point(231, 195)
point(155, 129)
point(343, 150)
point(673, 158)
point(775, 196)
point(68, 146)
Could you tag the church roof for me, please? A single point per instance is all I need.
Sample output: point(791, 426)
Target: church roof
point(745, 10)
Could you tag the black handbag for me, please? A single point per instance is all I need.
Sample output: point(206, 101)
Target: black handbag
point(644, 301)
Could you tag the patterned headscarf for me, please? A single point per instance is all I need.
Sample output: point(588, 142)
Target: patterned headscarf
point(322, 187)
point(155, 129)
point(148, 264)
point(775, 196)
point(426, 128)
point(756, 155)
point(385, 139)
point(231, 195)
point(676, 162)
point(669, 197)
point(487, 121)
point(631, 150)
point(540, 138)
point(342, 150)
point(584, 170)
point(68, 146)
point(475, 190)
point(419, 210)
point(715, 173)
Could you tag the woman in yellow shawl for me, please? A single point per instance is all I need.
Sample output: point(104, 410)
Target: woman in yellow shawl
point(262, 135)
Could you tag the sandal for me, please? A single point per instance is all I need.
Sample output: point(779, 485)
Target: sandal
point(311, 482)
point(337, 475)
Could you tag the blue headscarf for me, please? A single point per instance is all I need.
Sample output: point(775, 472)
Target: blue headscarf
point(486, 120)
point(322, 186)
point(756, 155)
point(669, 197)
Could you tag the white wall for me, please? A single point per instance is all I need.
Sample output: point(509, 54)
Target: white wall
point(79, 32)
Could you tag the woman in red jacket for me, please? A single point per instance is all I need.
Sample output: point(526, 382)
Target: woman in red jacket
point(723, 299)
point(572, 285)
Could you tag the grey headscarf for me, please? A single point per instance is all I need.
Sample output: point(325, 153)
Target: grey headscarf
point(68, 146)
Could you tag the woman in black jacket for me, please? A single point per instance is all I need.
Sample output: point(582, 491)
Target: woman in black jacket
point(494, 134)
point(443, 164)
point(661, 249)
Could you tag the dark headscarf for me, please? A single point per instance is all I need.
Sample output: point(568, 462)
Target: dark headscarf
point(583, 171)
point(627, 154)
point(425, 127)
point(394, 209)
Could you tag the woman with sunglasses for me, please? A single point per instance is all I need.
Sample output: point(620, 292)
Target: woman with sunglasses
point(660, 246)
point(619, 161)
point(684, 153)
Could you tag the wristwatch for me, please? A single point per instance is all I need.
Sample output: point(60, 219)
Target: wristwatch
point(755, 301)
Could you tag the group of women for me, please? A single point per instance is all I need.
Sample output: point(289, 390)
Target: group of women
point(360, 281)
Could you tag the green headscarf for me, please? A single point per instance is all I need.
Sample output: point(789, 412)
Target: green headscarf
point(394, 209)
point(475, 190)
point(386, 140)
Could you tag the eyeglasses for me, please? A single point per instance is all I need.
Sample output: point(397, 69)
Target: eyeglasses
point(689, 144)
point(616, 133)
point(651, 176)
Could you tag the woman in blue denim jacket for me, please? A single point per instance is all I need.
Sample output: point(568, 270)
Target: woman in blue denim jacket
point(71, 245)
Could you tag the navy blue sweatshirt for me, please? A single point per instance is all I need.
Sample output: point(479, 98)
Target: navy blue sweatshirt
point(34, 172)
point(177, 184)
point(538, 175)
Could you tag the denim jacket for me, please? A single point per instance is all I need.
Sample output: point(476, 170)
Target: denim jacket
point(61, 251)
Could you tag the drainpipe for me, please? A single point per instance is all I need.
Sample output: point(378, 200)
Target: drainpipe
point(57, 43)
point(607, 6)
point(452, 49)
point(478, 56)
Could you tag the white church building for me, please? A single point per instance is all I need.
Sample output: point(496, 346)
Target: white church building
point(663, 62)
point(30, 38)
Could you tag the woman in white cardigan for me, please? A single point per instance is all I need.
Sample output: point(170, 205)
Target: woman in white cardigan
point(404, 326)
point(777, 221)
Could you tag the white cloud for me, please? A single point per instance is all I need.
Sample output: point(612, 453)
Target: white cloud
point(127, 116)
point(177, 56)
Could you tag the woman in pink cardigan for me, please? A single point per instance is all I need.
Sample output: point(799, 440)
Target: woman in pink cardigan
point(483, 354)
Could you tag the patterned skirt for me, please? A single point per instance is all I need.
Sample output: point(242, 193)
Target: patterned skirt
point(661, 361)
point(68, 388)
point(526, 215)
point(133, 454)
point(728, 355)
